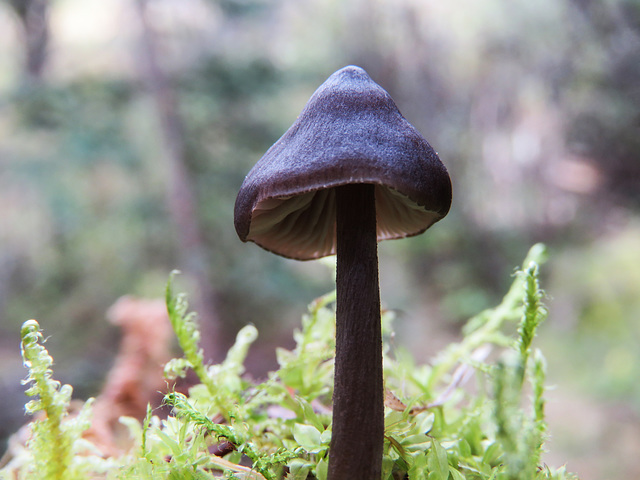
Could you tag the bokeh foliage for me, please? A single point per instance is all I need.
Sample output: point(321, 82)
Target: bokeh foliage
point(533, 106)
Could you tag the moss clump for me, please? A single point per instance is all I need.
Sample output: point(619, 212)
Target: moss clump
point(230, 427)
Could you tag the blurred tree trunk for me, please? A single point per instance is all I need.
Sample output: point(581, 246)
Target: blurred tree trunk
point(180, 198)
point(34, 16)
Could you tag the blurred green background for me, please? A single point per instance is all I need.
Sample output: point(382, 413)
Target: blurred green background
point(126, 128)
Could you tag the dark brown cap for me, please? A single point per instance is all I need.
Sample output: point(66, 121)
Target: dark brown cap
point(349, 132)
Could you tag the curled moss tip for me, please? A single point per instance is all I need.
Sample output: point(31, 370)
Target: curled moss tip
point(29, 328)
point(538, 253)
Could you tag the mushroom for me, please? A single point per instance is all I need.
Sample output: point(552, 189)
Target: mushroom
point(349, 172)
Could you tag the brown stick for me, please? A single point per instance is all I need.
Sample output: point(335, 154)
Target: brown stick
point(34, 15)
point(180, 198)
point(358, 409)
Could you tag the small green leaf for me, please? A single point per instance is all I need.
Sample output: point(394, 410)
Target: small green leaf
point(308, 437)
point(424, 421)
point(298, 469)
point(418, 469)
point(491, 454)
point(392, 418)
point(325, 437)
point(415, 442)
point(322, 469)
point(464, 448)
point(310, 415)
point(455, 474)
point(387, 467)
point(170, 442)
point(438, 461)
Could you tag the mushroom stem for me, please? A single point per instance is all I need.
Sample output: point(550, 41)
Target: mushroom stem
point(358, 404)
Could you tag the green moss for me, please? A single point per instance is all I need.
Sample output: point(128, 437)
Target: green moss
point(435, 427)
point(55, 449)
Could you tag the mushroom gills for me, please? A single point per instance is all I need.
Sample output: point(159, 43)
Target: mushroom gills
point(303, 226)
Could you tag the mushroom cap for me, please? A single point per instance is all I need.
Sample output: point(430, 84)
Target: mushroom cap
point(350, 131)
